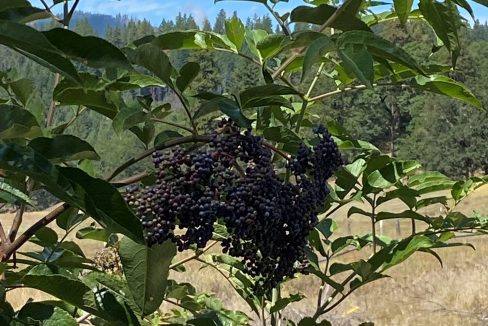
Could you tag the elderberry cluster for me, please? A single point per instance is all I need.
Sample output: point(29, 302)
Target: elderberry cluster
point(234, 181)
point(183, 195)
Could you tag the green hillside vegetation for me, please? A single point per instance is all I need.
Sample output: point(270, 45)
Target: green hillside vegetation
point(443, 134)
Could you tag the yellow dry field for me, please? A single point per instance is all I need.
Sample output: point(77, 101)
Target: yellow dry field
point(419, 292)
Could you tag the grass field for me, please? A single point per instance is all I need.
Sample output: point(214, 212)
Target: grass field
point(420, 291)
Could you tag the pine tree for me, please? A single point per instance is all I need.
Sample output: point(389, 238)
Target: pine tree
point(114, 35)
point(166, 26)
point(266, 24)
point(190, 23)
point(180, 22)
point(206, 26)
point(209, 78)
point(144, 28)
point(219, 25)
point(83, 27)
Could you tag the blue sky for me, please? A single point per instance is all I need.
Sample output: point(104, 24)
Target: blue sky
point(156, 10)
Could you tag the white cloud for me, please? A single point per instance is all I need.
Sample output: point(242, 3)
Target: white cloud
point(195, 10)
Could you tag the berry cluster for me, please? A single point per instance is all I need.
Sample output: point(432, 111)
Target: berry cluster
point(183, 196)
point(235, 181)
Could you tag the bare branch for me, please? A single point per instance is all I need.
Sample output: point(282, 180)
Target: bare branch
point(3, 236)
point(169, 123)
point(321, 310)
point(278, 151)
point(83, 318)
point(23, 238)
point(187, 110)
point(52, 106)
point(195, 256)
point(283, 25)
point(16, 223)
point(352, 88)
point(71, 12)
point(49, 11)
point(130, 180)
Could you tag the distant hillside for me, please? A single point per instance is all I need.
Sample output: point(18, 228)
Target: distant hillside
point(100, 22)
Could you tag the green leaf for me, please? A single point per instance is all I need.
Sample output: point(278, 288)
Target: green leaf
point(462, 189)
point(47, 236)
point(155, 60)
point(105, 204)
point(220, 232)
point(188, 40)
point(316, 242)
point(317, 49)
point(403, 9)
point(309, 321)
point(33, 44)
point(92, 233)
point(337, 268)
point(253, 94)
point(27, 162)
point(398, 252)
point(146, 270)
point(63, 286)
point(179, 290)
point(226, 106)
point(446, 86)
point(11, 194)
point(290, 140)
point(446, 21)
point(17, 123)
point(235, 31)
point(270, 46)
point(165, 136)
point(90, 50)
point(98, 100)
point(46, 314)
point(482, 2)
point(405, 194)
point(345, 21)
point(424, 202)
point(69, 218)
point(7, 313)
point(335, 285)
point(23, 14)
point(357, 59)
point(96, 197)
point(327, 227)
point(356, 210)
point(253, 37)
point(282, 303)
point(465, 4)
point(5, 5)
point(428, 182)
point(343, 242)
point(23, 89)
point(146, 133)
point(129, 117)
point(73, 247)
point(64, 148)
point(405, 214)
point(379, 47)
point(388, 175)
point(187, 74)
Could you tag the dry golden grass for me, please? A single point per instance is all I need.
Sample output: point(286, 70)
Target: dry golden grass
point(420, 291)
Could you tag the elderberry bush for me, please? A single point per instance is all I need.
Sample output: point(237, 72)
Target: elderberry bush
point(234, 181)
